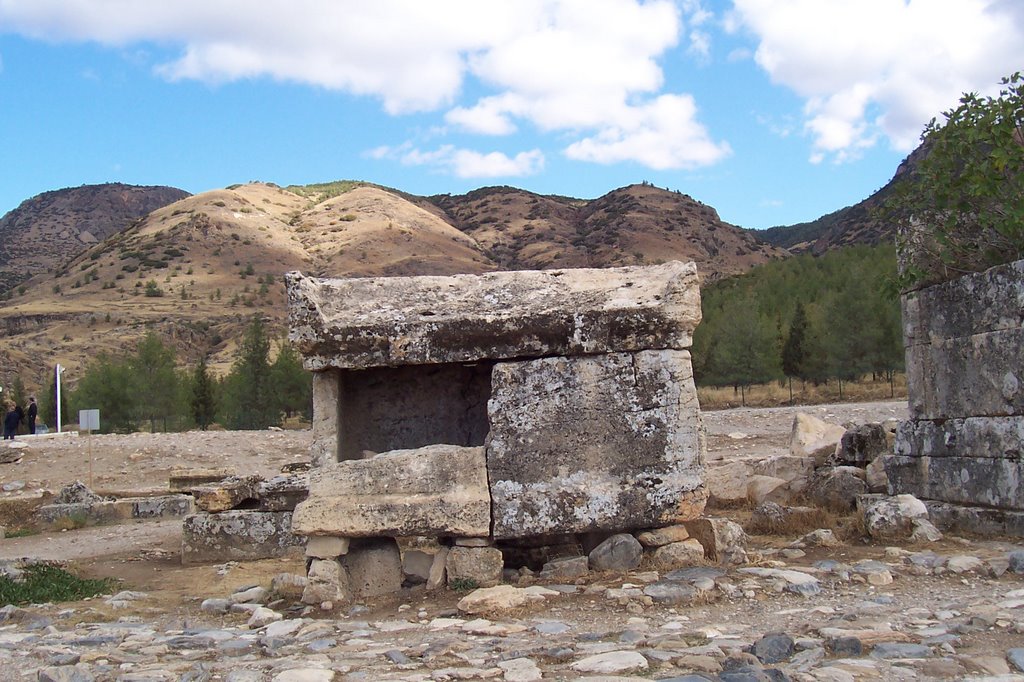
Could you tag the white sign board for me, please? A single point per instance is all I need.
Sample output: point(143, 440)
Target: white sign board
point(88, 420)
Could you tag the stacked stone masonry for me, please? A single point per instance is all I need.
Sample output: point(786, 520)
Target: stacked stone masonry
point(964, 443)
point(495, 408)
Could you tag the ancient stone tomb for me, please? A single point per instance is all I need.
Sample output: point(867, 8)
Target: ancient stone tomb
point(494, 411)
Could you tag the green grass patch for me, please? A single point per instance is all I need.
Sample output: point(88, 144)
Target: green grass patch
point(44, 583)
point(21, 532)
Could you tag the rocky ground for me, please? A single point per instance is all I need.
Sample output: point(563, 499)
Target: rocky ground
point(949, 610)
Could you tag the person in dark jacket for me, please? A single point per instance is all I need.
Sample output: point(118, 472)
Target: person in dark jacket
point(11, 420)
point(33, 410)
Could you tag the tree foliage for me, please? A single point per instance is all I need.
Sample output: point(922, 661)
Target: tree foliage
point(807, 318)
point(203, 397)
point(250, 401)
point(961, 209)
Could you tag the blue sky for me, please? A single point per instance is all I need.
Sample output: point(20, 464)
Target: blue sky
point(772, 111)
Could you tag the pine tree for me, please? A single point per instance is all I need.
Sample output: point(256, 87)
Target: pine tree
point(793, 350)
point(154, 381)
point(249, 400)
point(203, 401)
point(293, 385)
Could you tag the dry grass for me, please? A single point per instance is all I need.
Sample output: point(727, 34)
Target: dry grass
point(795, 522)
point(775, 395)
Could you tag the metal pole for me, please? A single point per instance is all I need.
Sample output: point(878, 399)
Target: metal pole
point(57, 374)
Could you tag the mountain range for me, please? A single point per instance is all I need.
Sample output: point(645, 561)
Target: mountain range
point(91, 269)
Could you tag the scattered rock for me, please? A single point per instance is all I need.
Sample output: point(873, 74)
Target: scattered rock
point(620, 552)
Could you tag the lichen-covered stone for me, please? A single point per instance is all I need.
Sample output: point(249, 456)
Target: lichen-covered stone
point(610, 442)
point(326, 581)
point(227, 493)
point(390, 321)
point(964, 480)
point(237, 535)
point(284, 492)
point(326, 431)
point(436, 490)
point(992, 437)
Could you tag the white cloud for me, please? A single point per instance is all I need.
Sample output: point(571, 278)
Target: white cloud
point(661, 135)
point(881, 67)
point(588, 70)
point(464, 163)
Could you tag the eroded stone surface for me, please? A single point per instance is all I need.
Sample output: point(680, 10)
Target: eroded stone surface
point(237, 534)
point(391, 321)
point(611, 442)
point(436, 490)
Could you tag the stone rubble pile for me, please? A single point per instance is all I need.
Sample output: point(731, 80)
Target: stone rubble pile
point(959, 616)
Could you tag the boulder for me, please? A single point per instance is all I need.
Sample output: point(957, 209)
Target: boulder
point(616, 443)
point(727, 483)
point(326, 581)
point(862, 444)
point(621, 552)
point(678, 554)
point(434, 490)
point(812, 437)
point(836, 488)
point(659, 537)
point(893, 517)
point(722, 539)
point(759, 488)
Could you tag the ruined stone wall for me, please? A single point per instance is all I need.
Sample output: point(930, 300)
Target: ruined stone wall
point(964, 442)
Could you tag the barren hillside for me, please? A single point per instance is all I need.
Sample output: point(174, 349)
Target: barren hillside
point(44, 232)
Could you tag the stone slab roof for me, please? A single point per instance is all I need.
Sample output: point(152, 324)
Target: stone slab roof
point(359, 323)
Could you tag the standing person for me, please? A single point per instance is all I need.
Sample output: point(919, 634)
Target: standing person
point(33, 410)
point(11, 420)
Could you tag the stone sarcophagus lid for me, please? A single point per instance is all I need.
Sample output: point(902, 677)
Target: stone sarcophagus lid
point(501, 406)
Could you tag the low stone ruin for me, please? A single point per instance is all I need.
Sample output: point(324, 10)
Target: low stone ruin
point(961, 450)
point(500, 415)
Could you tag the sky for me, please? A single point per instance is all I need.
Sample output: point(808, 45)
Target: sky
point(774, 112)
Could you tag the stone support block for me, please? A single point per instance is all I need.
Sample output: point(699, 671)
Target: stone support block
point(431, 491)
point(374, 567)
point(975, 481)
point(482, 565)
point(237, 535)
point(326, 547)
point(611, 442)
point(326, 421)
point(722, 539)
point(991, 437)
point(389, 321)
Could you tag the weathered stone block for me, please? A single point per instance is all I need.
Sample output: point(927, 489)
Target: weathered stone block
point(980, 520)
point(979, 375)
point(237, 535)
point(227, 493)
point(962, 480)
point(482, 565)
point(862, 444)
point(390, 321)
point(374, 567)
point(994, 437)
point(611, 442)
point(977, 303)
point(436, 490)
point(284, 492)
point(812, 437)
